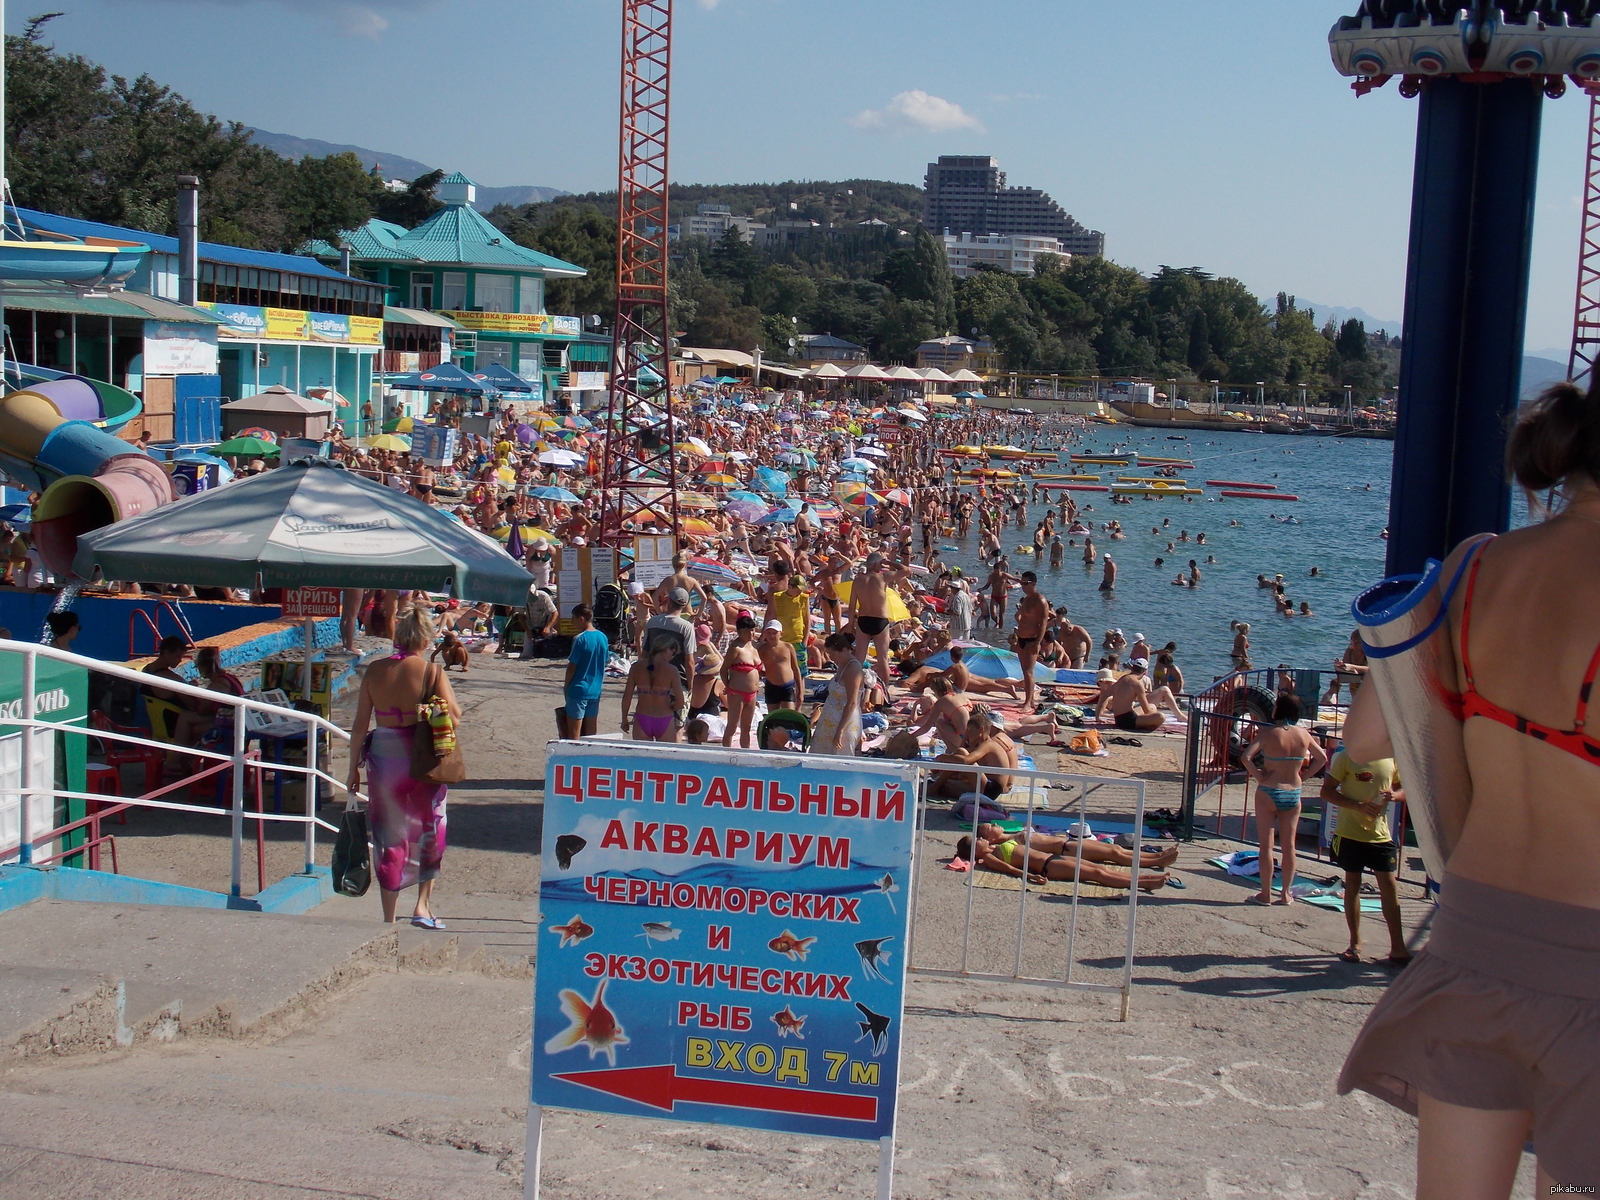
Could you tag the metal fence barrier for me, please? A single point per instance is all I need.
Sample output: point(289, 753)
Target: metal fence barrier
point(32, 790)
point(1032, 784)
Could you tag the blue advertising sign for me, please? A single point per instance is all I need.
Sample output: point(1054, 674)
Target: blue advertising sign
point(435, 445)
point(723, 937)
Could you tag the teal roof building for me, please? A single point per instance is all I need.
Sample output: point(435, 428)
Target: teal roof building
point(492, 290)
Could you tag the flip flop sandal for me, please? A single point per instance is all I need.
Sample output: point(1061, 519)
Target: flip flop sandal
point(428, 923)
point(1255, 898)
point(1349, 956)
point(1174, 882)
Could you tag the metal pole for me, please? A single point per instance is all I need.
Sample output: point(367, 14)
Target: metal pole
point(238, 802)
point(25, 800)
point(885, 1168)
point(533, 1151)
point(1133, 899)
point(310, 629)
point(313, 794)
point(72, 344)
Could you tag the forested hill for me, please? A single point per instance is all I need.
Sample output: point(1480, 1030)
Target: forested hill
point(846, 202)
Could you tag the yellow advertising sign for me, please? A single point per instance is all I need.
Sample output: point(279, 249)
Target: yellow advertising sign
point(287, 323)
point(494, 322)
point(366, 331)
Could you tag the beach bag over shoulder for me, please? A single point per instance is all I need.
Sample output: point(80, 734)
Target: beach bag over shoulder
point(436, 748)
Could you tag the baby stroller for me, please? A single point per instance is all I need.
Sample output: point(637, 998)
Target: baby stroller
point(611, 612)
point(788, 719)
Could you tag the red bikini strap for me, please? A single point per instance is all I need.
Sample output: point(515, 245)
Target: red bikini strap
point(1586, 689)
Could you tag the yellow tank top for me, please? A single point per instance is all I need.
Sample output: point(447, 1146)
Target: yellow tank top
point(793, 613)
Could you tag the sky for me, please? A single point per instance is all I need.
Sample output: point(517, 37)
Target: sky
point(1203, 134)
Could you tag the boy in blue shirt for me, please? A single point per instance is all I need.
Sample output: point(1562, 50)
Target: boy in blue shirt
point(586, 674)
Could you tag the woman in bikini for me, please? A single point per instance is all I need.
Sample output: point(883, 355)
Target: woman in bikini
point(406, 815)
point(658, 687)
point(1011, 857)
point(705, 695)
point(1492, 1034)
point(1093, 851)
point(741, 672)
point(1289, 756)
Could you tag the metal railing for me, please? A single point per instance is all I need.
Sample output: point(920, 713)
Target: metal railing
point(153, 623)
point(32, 790)
point(1222, 723)
point(1029, 780)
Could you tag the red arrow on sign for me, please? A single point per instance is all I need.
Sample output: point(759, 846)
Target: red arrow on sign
point(662, 1087)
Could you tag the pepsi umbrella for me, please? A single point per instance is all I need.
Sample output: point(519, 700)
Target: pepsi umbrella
point(501, 379)
point(446, 377)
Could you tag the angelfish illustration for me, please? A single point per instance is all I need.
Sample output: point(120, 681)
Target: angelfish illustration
point(876, 1026)
point(573, 932)
point(593, 1025)
point(659, 931)
point(886, 885)
point(568, 845)
point(872, 956)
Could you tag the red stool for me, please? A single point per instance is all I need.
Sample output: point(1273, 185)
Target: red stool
point(104, 780)
point(116, 753)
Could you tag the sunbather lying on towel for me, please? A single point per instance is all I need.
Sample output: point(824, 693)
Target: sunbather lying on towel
point(1010, 857)
point(1093, 851)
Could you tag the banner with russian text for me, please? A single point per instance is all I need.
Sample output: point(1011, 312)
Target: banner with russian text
point(723, 937)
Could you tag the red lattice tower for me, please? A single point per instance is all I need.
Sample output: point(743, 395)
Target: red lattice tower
point(1586, 317)
point(639, 469)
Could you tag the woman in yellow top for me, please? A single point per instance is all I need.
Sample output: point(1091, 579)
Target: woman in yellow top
point(1362, 792)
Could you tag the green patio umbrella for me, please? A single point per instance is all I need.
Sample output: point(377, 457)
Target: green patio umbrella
point(309, 524)
point(247, 447)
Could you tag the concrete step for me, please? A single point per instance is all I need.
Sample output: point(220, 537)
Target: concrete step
point(81, 977)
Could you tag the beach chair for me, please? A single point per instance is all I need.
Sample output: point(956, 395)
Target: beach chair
point(117, 754)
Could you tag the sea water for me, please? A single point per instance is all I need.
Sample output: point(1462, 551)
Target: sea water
point(1343, 485)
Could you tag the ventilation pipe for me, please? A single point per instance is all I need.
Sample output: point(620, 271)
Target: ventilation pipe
point(188, 239)
point(344, 258)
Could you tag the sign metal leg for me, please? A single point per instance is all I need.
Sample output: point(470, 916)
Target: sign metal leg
point(532, 1151)
point(885, 1167)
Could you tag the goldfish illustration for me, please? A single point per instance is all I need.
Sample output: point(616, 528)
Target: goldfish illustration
point(573, 932)
point(886, 885)
point(659, 931)
point(795, 947)
point(788, 1023)
point(593, 1025)
point(873, 955)
point(876, 1026)
point(567, 845)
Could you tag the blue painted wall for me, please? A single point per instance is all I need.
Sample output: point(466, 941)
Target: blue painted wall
point(105, 620)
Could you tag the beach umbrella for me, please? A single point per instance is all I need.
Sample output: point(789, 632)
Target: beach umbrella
point(899, 495)
point(696, 500)
point(789, 415)
point(826, 510)
point(792, 457)
point(778, 516)
point(501, 379)
point(514, 546)
point(748, 407)
point(390, 441)
point(246, 447)
point(970, 396)
point(560, 458)
point(865, 499)
point(747, 510)
point(709, 570)
point(871, 451)
point(991, 662)
point(859, 464)
point(738, 455)
point(751, 496)
point(19, 515)
point(719, 480)
point(554, 493)
point(399, 425)
point(578, 421)
point(310, 524)
point(697, 527)
point(774, 482)
point(446, 377)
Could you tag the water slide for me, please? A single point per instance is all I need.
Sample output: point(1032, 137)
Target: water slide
point(54, 440)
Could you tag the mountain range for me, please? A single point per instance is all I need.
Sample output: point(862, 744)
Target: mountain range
point(395, 166)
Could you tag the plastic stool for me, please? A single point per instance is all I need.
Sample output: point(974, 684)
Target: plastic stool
point(105, 780)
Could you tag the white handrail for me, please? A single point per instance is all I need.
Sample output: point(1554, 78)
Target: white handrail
point(29, 721)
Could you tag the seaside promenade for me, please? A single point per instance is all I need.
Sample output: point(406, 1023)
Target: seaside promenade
point(329, 1055)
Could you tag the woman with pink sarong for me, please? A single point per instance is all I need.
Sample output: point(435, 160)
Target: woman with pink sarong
point(406, 815)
